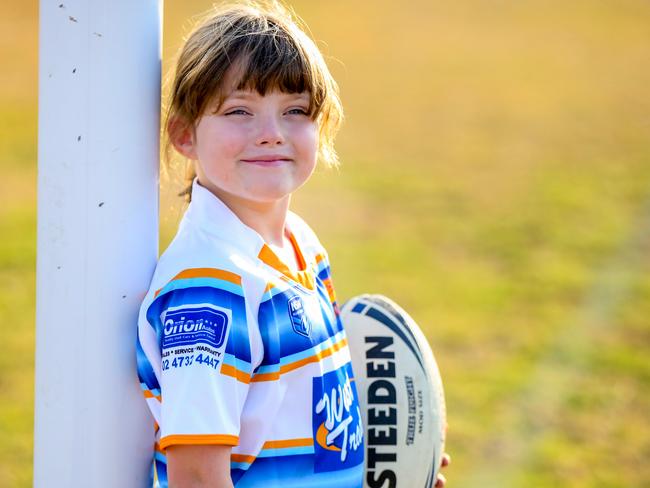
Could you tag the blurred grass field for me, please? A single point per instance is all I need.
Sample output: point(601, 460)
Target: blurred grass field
point(495, 182)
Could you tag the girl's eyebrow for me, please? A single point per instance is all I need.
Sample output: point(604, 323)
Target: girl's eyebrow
point(244, 95)
point(248, 95)
point(301, 95)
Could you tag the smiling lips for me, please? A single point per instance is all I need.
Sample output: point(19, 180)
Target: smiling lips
point(270, 160)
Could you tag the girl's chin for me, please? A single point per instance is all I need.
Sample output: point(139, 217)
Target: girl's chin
point(270, 189)
point(268, 196)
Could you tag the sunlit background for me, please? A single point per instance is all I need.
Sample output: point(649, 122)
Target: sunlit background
point(495, 182)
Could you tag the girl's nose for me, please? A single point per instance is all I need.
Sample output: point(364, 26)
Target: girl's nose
point(269, 132)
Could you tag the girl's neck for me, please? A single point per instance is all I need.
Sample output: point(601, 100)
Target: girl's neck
point(266, 218)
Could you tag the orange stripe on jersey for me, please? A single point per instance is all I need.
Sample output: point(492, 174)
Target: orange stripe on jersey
point(265, 377)
point(330, 289)
point(307, 441)
point(315, 358)
point(279, 444)
point(319, 258)
point(301, 259)
point(206, 273)
point(269, 287)
point(304, 277)
point(239, 375)
point(297, 364)
point(199, 439)
point(148, 394)
point(242, 458)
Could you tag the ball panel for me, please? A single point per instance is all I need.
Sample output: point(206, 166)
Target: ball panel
point(431, 366)
point(400, 391)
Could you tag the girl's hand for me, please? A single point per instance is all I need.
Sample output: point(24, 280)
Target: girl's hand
point(440, 482)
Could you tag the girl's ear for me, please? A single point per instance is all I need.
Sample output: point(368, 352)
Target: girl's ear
point(181, 136)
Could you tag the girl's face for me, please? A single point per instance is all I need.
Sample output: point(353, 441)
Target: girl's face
point(256, 148)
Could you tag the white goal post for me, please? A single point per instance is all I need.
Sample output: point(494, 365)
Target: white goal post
point(98, 152)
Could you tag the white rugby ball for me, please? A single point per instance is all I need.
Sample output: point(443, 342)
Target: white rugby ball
point(400, 394)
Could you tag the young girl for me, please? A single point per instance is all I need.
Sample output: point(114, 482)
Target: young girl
point(242, 356)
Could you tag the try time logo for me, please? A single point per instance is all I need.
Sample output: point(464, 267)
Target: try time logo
point(336, 421)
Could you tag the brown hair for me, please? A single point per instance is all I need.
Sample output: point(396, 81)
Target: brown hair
point(270, 51)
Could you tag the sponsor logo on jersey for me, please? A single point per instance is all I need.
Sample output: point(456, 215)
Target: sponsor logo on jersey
point(336, 421)
point(194, 324)
point(299, 320)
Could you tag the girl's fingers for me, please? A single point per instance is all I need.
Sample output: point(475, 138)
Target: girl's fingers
point(440, 482)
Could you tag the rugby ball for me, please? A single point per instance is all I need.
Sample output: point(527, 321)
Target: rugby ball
point(400, 394)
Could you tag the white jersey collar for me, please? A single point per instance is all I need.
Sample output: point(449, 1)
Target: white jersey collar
point(211, 215)
point(214, 217)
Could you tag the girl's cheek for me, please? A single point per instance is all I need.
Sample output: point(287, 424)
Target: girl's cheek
point(233, 145)
point(309, 132)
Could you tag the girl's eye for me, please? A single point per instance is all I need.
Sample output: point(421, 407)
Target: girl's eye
point(298, 111)
point(238, 111)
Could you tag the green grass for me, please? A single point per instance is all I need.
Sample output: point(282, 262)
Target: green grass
point(495, 182)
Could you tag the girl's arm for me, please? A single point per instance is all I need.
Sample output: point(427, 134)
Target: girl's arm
point(194, 466)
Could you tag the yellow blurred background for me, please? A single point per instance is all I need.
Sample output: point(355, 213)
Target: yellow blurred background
point(495, 182)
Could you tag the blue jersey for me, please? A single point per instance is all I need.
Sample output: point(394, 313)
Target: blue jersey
point(234, 348)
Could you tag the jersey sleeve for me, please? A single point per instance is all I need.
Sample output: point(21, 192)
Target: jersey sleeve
point(195, 336)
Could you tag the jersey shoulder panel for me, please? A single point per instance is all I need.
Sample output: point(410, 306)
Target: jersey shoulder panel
point(202, 307)
point(197, 259)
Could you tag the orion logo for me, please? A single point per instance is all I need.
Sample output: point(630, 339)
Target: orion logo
point(298, 317)
point(190, 325)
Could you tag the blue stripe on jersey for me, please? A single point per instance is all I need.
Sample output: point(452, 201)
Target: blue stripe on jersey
point(239, 466)
point(274, 368)
point(235, 362)
point(279, 338)
point(160, 468)
point(316, 349)
point(237, 344)
point(154, 391)
point(324, 273)
point(295, 472)
point(326, 306)
point(268, 294)
point(201, 282)
point(286, 451)
point(275, 452)
point(145, 371)
point(269, 368)
point(323, 269)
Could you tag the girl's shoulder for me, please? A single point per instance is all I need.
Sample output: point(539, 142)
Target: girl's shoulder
point(196, 259)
